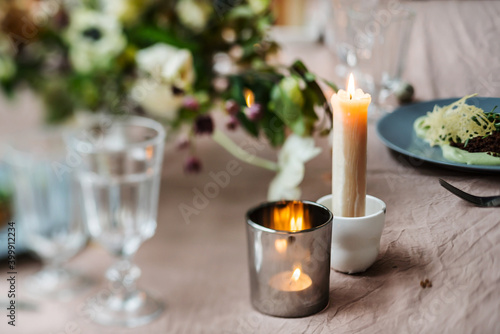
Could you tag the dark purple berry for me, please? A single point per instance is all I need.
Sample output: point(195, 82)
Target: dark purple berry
point(191, 103)
point(204, 125)
point(254, 112)
point(192, 165)
point(233, 123)
point(232, 107)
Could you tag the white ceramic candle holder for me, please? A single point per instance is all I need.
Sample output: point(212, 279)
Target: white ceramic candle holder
point(356, 240)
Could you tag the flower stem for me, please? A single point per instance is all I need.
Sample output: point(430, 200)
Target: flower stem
point(223, 140)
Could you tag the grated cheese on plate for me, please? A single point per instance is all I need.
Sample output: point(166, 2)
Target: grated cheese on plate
point(458, 121)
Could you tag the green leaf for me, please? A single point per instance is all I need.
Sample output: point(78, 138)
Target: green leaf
point(300, 69)
point(236, 89)
point(8, 88)
point(312, 100)
point(60, 110)
point(299, 120)
point(248, 125)
point(310, 76)
point(274, 129)
point(148, 35)
point(240, 12)
point(313, 92)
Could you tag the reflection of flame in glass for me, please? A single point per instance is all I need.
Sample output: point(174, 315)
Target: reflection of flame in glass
point(249, 97)
point(296, 224)
point(280, 245)
point(296, 274)
point(291, 217)
point(149, 152)
point(350, 86)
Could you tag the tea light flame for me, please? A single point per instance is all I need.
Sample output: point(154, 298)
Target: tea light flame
point(280, 245)
point(296, 274)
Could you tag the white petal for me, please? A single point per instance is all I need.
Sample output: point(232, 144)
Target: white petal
point(156, 99)
point(179, 70)
point(153, 58)
point(298, 148)
point(285, 183)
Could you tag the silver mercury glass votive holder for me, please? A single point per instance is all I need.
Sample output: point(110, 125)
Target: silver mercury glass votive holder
point(289, 245)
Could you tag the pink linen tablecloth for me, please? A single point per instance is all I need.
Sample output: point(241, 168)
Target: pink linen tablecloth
point(198, 266)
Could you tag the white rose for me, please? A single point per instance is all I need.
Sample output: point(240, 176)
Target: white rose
point(152, 59)
point(156, 98)
point(95, 40)
point(167, 63)
point(179, 69)
point(194, 14)
point(293, 155)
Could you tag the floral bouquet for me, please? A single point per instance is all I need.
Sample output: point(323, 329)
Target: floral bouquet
point(176, 61)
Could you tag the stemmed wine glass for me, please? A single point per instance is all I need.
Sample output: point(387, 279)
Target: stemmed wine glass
point(388, 59)
point(371, 41)
point(47, 206)
point(120, 178)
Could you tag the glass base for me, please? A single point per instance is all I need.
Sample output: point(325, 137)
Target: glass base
point(57, 283)
point(131, 310)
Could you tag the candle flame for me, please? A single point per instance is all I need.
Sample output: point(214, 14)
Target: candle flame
point(350, 86)
point(280, 245)
point(249, 97)
point(291, 217)
point(296, 224)
point(296, 274)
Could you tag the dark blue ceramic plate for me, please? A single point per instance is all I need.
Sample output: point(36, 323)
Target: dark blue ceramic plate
point(396, 132)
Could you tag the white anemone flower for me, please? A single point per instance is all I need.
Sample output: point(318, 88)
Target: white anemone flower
point(95, 40)
point(194, 14)
point(168, 64)
point(294, 154)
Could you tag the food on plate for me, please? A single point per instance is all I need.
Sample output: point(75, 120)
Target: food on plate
point(466, 133)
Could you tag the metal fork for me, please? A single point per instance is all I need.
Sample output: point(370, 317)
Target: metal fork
point(479, 201)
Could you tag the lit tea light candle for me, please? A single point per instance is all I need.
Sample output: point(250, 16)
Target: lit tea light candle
point(289, 245)
point(350, 110)
point(291, 281)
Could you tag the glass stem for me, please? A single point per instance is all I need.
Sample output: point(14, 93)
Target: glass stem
point(122, 276)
